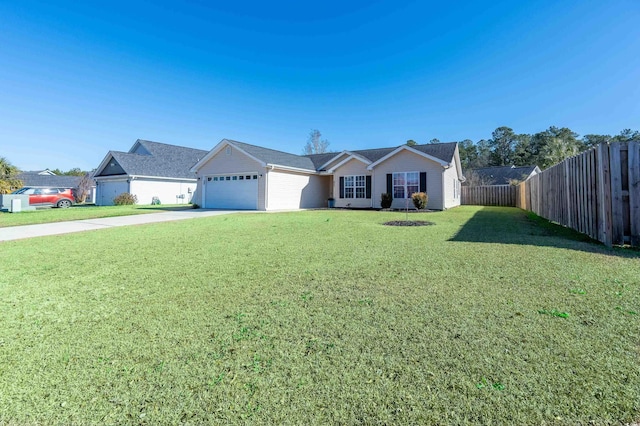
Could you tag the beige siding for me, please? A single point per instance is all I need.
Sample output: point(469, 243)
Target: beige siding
point(288, 190)
point(352, 168)
point(168, 192)
point(406, 161)
point(232, 162)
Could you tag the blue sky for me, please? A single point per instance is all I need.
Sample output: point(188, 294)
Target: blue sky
point(78, 79)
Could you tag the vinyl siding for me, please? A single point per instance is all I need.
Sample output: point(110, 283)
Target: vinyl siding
point(288, 190)
point(168, 192)
point(352, 168)
point(235, 162)
point(450, 180)
point(406, 161)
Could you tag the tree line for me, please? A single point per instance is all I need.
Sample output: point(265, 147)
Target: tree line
point(544, 149)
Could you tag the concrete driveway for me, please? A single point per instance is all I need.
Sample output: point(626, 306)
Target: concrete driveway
point(57, 228)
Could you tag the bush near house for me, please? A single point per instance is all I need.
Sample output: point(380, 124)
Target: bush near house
point(386, 200)
point(125, 199)
point(420, 200)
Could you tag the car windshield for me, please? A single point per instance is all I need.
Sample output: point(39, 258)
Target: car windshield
point(19, 191)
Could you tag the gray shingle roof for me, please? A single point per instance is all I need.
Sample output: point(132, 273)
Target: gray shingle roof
point(33, 178)
point(271, 156)
point(166, 160)
point(501, 175)
point(443, 151)
point(319, 160)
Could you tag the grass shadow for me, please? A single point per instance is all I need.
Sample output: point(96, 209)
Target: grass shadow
point(509, 225)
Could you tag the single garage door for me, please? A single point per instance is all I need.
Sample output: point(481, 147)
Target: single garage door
point(236, 192)
point(108, 190)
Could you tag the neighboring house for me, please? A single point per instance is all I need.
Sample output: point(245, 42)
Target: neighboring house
point(502, 175)
point(237, 175)
point(48, 179)
point(148, 170)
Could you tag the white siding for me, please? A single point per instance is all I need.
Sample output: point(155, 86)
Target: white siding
point(107, 190)
point(450, 193)
point(232, 162)
point(288, 190)
point(168, 192)
point(352, 168)
point(406, 161)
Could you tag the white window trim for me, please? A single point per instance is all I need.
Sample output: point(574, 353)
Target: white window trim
point(406, 190)
point(355, 187)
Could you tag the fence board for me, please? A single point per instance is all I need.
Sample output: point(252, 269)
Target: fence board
point(617, 221)
point(489, 195)
point(634, 193)
point(604, 195)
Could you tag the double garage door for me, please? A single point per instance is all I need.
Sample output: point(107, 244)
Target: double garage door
point(235, 192)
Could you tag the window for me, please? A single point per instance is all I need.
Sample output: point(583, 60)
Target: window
point(227, 178)
point(215, 178)
point(405, 184)
point(355, 186)
point(255, 176)
point(234, 178)
point(241, 177)
point(247, 177)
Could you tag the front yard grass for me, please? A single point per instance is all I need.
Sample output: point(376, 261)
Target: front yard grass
point(79, 212)
point(321, 317)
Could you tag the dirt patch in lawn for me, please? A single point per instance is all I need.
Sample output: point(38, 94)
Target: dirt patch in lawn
point(408, 223)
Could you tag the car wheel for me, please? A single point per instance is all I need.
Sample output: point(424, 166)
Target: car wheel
point(63, 204)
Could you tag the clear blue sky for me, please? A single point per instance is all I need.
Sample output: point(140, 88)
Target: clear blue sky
point(80, 78)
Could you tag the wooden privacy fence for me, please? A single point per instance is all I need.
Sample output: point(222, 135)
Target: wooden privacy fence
point(489, 195)
point(596, 193)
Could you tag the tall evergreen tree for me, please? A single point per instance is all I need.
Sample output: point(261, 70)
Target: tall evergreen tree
point(502, 145)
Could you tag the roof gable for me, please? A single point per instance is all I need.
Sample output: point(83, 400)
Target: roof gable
point(264, 156)
point(350, 156)
point(422, 152)
point(154, 159)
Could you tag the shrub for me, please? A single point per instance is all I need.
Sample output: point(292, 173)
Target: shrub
point(125, 199)
point(420, 200)
point(195, 206)
point(386, 200)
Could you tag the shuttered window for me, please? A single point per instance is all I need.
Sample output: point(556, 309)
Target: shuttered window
point(355, 187)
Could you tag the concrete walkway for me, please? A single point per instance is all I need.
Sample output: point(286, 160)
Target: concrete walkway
point(57, 228)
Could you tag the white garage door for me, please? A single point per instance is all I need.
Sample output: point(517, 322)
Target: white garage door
point(237, 192)
point(107, 191)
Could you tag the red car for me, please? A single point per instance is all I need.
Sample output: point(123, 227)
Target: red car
point(43, 197)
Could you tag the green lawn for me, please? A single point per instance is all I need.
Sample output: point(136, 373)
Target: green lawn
point(78, 212)
point(489, 316)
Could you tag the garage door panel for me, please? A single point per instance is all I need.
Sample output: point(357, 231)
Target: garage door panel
point(109, 190)
point(232, 192)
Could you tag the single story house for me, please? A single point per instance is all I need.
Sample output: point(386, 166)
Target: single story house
point(48, 179)
point(502, 175)
point(237, 175)
point(148, 170)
